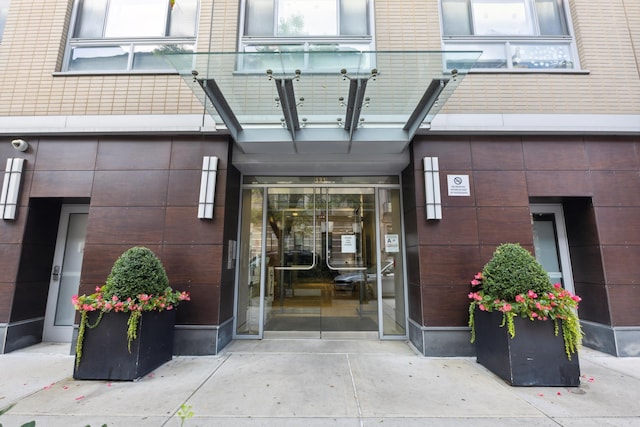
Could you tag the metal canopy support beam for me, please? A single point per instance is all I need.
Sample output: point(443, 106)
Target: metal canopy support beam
point(289, 107)
point(213, 92)
point(357, 89)
point(429, 98)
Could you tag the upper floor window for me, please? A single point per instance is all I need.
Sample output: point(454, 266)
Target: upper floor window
point(4, 9)
point(512, 34)
point(297, 27)
point(126, 35)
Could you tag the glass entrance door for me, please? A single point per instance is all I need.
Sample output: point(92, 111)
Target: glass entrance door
point(312, 262)
point(314, 237)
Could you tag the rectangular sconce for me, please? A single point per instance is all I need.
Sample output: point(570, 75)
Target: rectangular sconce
point(207, 187)
point(11, 188)
point(432, 188)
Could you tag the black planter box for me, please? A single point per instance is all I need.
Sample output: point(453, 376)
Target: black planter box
point(534, 357)
point(105, 355)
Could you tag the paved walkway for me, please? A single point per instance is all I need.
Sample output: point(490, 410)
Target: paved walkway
point(313, 383)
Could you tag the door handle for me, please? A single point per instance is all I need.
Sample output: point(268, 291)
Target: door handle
point(56, 273)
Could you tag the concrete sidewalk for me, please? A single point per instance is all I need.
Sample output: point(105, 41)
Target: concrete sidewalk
point(313, 383)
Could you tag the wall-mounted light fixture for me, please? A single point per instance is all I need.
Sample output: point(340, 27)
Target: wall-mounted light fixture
point(432, 188)
point(11, 188)
point(207, 187)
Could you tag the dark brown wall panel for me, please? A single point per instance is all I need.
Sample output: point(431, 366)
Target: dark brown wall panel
point(505, 225)
point(446, 305)
point(454, 152)
point(500, 188)
point(448, 265)
point(9, 262)
point(548, 153)
point(458, 226)
point(36, 259)
point(13, 231)
point(188, 153)
point(61, 184)
point(611, 153)
point(184, 188)
point(126, 225)
point(413, 264)
point(615, 188)
point(580, 221)
point(619, 226)
point(130, 188)
point(559, 183)
point(497, 153)
point(586, 264)
point(231, 198)
point(184, 227)
point(133, 154)
point(193, 265)
point(593, 307)
point(66, 155)
point(30, 300)
point(414, 294)
point(624, 305)
point(419, 198)
point(204, 307)
point(7, 291)
point(621, 265)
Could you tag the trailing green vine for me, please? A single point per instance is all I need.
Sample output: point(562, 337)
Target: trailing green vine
point(137, 283)
point(84, 323)
point(510, 266)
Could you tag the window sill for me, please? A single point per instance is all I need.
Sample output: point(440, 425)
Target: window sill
point(114, 73)
point(529, 71)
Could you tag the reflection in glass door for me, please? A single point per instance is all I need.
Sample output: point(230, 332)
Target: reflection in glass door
point(550, 243)
point(312, 256)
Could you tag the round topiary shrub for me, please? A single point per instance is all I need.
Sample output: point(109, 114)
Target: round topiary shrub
point(137, 271)
point(512, 271)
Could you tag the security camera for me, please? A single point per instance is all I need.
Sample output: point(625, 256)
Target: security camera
point(20, 144)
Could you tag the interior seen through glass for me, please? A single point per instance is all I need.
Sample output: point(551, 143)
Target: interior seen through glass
point(321, 259)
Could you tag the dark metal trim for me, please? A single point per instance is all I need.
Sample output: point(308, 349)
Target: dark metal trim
point(213, 92)
point(429, 98)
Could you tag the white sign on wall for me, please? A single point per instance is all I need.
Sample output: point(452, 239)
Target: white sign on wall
point(391, 243)
point(348, 244)
point(458, 185)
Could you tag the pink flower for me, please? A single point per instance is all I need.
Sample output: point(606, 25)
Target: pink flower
point(475, 282)
point(519, 298)
point(478, 276)
point(505, 308)
point(557, 286)
point(532, 294)
point(482, 307)
point(534, 315)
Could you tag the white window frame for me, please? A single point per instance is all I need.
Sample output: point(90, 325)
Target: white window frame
point(506, 42)
point(4, 11)
point(562, 241)
point(128, 45)
point(249, 44)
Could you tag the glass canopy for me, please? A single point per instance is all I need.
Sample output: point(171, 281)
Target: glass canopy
point(338, 97)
